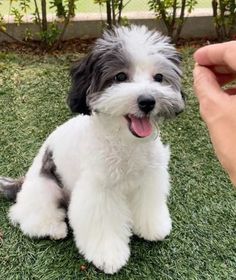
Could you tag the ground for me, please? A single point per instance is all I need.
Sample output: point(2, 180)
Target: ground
point(202, 203)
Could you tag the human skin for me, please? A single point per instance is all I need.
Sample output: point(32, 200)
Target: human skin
point(215, 67)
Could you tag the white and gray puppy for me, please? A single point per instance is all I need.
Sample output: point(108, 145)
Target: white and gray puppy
point(109, 162)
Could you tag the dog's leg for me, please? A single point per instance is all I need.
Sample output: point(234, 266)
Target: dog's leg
point(100, 220)
point(37, 209)
point(148, 203)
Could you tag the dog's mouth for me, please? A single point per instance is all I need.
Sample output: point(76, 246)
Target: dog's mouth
point(139, 127)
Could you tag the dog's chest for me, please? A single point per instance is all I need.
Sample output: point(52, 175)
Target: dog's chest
point(124, 162)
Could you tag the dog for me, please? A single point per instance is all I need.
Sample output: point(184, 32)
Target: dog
point(108, 164)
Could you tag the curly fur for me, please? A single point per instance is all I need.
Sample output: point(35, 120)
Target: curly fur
point(112, 166)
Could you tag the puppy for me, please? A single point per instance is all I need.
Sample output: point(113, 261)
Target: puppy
point(108, 163)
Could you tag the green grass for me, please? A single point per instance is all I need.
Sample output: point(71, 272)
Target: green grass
point(88, 6)
point(202, 203)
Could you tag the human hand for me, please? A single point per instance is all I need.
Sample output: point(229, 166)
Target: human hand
point(215, 67)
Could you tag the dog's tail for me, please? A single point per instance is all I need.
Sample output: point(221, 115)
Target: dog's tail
point(10, 187)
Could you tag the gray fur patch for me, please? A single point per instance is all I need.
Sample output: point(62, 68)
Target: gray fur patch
point(49, 168)
point(96, 72)
point(109, 64)
point(10, 187)
point(64, 201)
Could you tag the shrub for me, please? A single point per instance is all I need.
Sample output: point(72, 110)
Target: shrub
point(172, 12)
point(224, 13)
point(114, 9)
point(49, 33)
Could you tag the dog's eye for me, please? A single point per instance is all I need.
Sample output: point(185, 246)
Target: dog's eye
point(158, 78)
point(121, 77)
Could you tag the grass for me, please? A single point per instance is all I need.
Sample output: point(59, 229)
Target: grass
point(202, 244)
point(88, 6)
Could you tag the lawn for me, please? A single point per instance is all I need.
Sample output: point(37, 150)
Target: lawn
point(202, 203)
point(88, 6)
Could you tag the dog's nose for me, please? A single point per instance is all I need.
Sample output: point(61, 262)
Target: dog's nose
point(146, 103)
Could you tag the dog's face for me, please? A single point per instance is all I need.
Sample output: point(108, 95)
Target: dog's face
point(131, 73)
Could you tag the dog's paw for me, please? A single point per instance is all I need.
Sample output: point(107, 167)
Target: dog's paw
point(58, 231)
point(40, 224)
point(156, 230)
point(160, 231)
point(110, 258)
point(54, 230)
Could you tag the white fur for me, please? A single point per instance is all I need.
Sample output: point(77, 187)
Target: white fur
point(117, 183)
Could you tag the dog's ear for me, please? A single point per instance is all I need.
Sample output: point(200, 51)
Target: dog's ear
point(81, 77)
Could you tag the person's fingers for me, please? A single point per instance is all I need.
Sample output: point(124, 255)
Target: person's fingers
point(205, 82)
point(220, 55)
point(208, 92)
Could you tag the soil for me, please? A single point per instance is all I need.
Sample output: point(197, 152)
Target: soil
point(34, 47)
point(81, 46)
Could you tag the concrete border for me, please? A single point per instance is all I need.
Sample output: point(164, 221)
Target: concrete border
point(198, 25)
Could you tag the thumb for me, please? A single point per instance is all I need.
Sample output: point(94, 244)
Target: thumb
point(205, 83)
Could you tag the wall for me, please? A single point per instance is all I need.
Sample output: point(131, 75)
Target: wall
point(198, 26)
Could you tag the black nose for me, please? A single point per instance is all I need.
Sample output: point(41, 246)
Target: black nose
point(146, 103)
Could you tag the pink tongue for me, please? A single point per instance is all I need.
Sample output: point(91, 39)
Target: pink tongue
point(141, 126)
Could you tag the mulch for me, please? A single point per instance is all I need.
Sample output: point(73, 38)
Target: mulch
point(34, 47)
point(80, 46)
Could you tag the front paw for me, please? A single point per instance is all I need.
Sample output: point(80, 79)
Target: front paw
point(109, 257)
point(154, 229)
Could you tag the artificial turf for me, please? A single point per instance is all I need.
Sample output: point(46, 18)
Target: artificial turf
point(202, 203)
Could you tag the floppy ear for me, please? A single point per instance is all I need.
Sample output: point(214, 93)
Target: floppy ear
point(81, 77)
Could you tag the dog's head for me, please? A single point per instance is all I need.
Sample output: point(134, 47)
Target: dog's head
point(132, 73)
